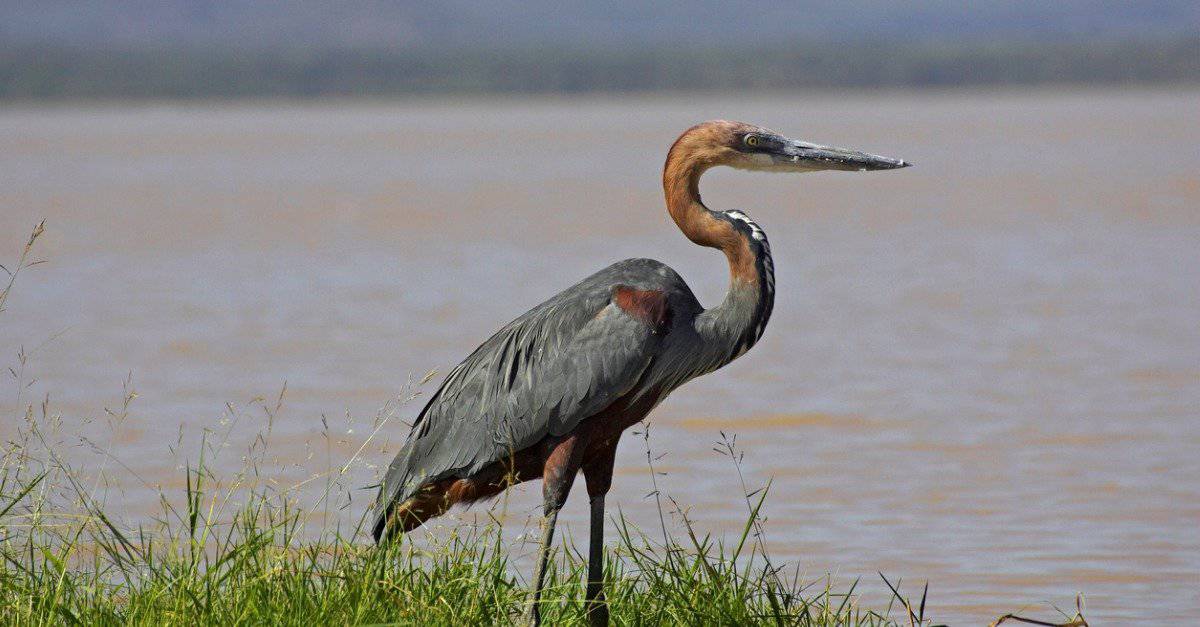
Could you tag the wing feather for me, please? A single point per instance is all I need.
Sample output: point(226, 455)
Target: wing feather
point(540, 375)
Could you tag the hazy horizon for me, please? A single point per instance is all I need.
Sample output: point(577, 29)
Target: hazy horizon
point(182, 49)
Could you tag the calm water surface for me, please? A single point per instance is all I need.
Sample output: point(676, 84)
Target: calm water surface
point(983, 371)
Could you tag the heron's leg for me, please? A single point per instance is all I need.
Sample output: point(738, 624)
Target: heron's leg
point(598, 473)
point(557, 477)
point(551, 516)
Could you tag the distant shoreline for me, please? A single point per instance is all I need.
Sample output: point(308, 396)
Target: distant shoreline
point(819, 96)
point(33, 73)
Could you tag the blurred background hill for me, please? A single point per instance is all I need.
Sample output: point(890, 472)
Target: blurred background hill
point(190, 48)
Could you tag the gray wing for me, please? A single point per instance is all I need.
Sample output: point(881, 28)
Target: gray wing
point(540, 375)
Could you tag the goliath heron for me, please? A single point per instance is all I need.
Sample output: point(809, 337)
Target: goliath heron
point(550, 393)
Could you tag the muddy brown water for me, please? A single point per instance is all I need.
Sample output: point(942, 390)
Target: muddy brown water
point(983, 371)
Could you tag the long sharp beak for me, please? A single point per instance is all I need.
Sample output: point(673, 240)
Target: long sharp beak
point(806, 156)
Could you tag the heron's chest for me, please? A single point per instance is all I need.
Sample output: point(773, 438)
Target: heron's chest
point(604, 429)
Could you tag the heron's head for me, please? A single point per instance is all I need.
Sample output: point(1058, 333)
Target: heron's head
point(749, 147)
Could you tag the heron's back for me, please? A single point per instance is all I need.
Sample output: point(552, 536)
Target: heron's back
point(540, 375)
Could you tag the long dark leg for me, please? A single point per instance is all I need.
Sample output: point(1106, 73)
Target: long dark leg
point(551, 516)
point(598, 473)
point(557, 477)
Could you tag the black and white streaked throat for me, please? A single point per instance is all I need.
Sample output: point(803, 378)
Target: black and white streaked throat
point(766, 270)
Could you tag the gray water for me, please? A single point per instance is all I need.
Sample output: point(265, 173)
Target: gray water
point(983, 371)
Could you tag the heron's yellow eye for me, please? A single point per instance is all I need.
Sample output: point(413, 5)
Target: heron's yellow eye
point(752, 140)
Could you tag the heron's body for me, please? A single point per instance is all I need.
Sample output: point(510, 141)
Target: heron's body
point(589, 362)
point(549, 395)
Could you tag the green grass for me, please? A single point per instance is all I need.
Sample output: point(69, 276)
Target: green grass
point(466, 581)
point(231, 554)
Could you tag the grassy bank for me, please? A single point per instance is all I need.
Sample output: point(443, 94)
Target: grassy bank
point(235, 554)
point(255, 569)
point(232, 547)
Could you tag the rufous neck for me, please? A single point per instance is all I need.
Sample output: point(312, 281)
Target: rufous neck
point(681, 188)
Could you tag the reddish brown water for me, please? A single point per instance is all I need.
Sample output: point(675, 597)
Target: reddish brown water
point(983, 371)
